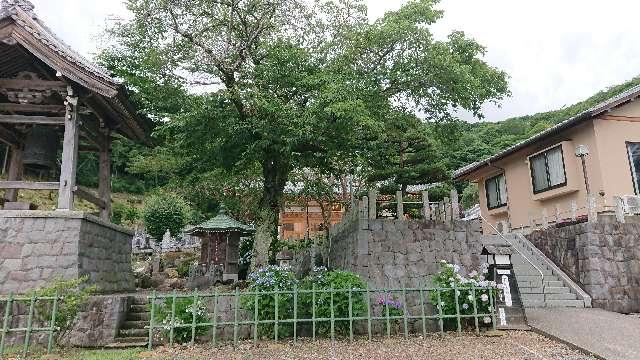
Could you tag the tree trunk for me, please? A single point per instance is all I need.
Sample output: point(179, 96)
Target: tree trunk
point(275, 172)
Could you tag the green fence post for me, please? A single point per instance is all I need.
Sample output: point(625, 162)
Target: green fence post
point(235, 317)
point(173, 318)
point(27, 336)
point(422, 313)
point(275, 324)
point(492, 306)
point(440, 312)
point(52, 325)
point(295, 313)
point(151, 319)
point(350, 316)
point(456, 296)
point(215, 317)
point(475, 309)
point(368, 313)
point(255, 319)
point(404, 304)
point(5, 323)
point(313, 311)
point(386, 307)
point(194, 310)
point(333, 323)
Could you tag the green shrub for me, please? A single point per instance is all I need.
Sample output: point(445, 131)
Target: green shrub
point(185, 309)
point(470, 196)
point(448, 277)
point(123, 214)
point(267, 279)
point(336, 280)
point(74, 296)
point(164, 212)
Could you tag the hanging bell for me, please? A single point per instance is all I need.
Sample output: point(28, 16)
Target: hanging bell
point(41, 149)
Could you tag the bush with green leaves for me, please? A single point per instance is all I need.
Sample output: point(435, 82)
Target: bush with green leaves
point(342, 281)
point(75, 295)
point(272, 278)
point(185, 309)
point(164, 212)
point(449, 278)
point(123, 214)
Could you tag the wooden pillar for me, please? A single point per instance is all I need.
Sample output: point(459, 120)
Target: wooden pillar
point(104, 177)
point(69, 153)
point(16, 168)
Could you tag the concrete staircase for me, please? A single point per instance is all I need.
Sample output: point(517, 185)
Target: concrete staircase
point(551, 289)
point(132, 332)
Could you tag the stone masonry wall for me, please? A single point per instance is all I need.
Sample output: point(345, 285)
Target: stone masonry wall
point(38, 246)
point(404, 252)
point(604, 258)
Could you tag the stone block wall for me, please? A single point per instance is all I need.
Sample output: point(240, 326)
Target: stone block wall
point(38, 246)
point(603, 257)
point(398, 253)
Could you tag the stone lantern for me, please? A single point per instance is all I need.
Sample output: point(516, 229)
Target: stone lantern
point(284, 258)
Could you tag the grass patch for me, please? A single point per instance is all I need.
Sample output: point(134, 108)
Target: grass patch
point(37, 352)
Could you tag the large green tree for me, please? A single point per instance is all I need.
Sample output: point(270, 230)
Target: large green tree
point(291, 84)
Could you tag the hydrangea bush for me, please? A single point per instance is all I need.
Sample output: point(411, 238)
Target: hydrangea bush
point(336, 280)
point(449, 277)
point(185, 309)
point(269, 279)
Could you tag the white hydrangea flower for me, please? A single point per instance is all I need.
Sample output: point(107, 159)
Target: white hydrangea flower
point(487, 320)
point(465, 306)
point(484, 297)
point(470, 297)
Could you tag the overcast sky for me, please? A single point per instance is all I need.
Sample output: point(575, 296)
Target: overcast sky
point(556, 52)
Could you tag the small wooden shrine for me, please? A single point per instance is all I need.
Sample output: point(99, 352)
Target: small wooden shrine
point(220, 238)
point(52, 101)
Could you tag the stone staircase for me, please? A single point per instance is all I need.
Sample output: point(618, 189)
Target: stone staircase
point(553, 289)
point(132, 332)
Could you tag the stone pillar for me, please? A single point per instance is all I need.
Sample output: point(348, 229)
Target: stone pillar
point(619, 209)
point(592, 209)
point(574, 210)
point(373, 205)
point(455, 205)
point(363, 213)
point(400, 206)
point(426, 207)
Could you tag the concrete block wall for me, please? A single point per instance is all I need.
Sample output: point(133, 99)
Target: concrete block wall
point(37, 247)
point(603, 258)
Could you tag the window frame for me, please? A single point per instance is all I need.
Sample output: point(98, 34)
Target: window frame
point(502, 202)
point(635, 182)
point(546, 167)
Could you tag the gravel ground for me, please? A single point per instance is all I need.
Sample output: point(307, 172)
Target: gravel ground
point(508, 346)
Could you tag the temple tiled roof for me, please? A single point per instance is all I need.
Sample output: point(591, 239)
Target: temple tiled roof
point(221, 223)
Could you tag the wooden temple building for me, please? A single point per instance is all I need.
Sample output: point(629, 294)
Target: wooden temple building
point(54, 103)
point(52, 99)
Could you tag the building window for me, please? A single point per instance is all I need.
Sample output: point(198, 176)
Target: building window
point(634, 162)
point(496, 188)
point(547, 170)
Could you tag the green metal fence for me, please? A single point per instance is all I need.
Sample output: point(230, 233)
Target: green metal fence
point(33, 302)
point(249, 303)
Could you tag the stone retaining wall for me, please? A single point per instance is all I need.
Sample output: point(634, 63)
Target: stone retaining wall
point(603, 257)
point(404, 252)
point(38, 246)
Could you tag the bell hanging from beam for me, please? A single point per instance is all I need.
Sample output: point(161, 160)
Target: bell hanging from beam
point(41, 150)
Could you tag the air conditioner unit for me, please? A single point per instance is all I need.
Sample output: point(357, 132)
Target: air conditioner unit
point(631, 204)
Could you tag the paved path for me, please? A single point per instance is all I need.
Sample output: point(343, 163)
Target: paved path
point(609, 335)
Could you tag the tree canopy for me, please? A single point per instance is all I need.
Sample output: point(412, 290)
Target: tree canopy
point(266, 87)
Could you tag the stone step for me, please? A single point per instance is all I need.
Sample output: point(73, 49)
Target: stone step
point(139, 300)
point(132, 339)
point(140, 316)
point(563, 296)
point(532, 297)
point(565, 303)
point(133, 332)
point(127, 345)
point(139, 308)
point(556, 290)
point(530, 290)
point(531, 271)
point(533, 304)
point(135, 324)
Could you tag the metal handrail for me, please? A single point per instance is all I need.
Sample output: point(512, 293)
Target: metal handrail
point(519, 252)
